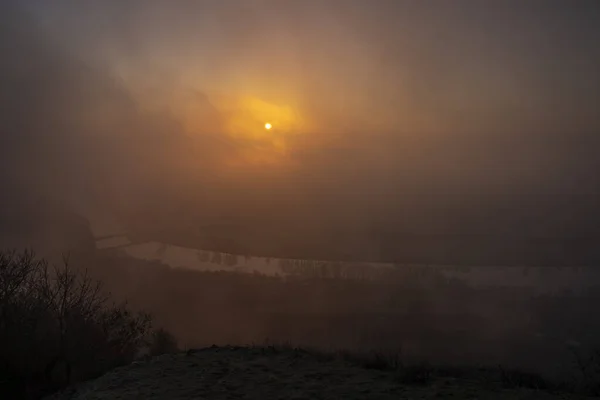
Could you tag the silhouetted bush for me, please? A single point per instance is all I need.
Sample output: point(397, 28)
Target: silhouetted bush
point(57, 327)
point(162, 342)
point(588, 368)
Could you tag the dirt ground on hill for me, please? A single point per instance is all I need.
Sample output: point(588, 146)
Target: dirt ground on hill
point(280, 373)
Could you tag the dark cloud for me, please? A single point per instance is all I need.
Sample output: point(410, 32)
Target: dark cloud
point(71, 136)
point(437, 117)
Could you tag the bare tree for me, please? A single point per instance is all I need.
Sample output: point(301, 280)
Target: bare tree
point(57, 324)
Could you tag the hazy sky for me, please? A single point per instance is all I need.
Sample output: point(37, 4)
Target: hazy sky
point(407, 67)
point(381, 104)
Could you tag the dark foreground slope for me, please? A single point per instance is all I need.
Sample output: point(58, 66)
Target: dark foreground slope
point(286, 373)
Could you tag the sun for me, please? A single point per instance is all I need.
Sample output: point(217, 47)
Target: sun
point(268, 126)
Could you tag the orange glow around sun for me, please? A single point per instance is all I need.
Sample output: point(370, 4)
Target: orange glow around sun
point(261, 133)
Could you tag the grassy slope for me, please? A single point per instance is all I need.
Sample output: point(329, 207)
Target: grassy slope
point(287, 373)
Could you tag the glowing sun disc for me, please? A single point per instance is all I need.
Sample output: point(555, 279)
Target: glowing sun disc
point(268, 126)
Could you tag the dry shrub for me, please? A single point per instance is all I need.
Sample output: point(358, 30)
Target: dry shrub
point(57, 327)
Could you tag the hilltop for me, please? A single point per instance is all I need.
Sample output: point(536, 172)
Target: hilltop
point(288, 373)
